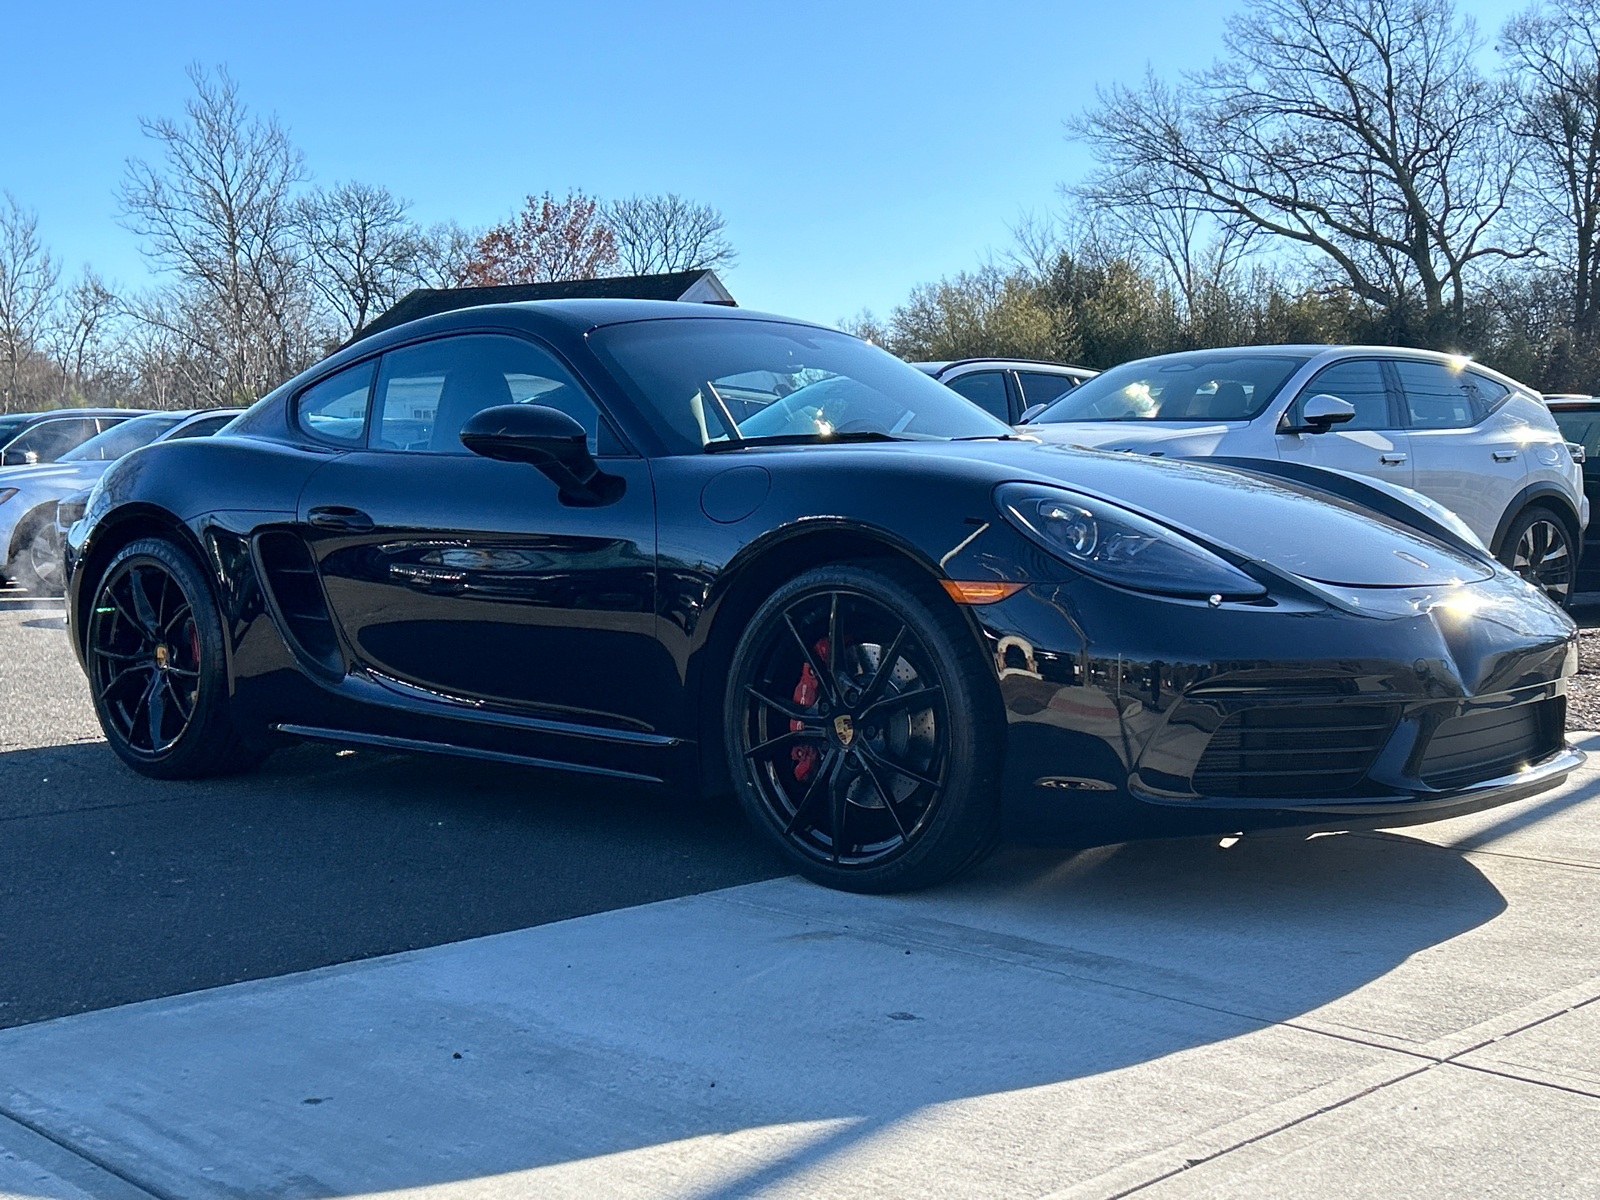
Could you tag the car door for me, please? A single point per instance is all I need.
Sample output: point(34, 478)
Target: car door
point(1373, 442)
point(1467, 458)
point(468, 578)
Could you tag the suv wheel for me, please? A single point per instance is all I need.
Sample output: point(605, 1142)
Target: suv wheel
point(1539, 547)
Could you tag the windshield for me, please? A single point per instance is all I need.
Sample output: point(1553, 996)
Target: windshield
point(1225, 386)
point(710, 383)
point(120, 439)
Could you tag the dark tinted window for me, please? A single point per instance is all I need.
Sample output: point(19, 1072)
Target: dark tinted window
point(204, 426)
point(336, 409)
point(986, 389)
point(427, 392)
point(49, 440)
point(1359, 383)
point(121, 439)
point(1041, 388)
point(1439, 397)
point(1209, 386)
point(1583, 428)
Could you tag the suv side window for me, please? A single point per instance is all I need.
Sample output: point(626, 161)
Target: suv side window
point(1038, 387)
point(1359, 381)
point(426, 392)
point(1438, 397)
point(335, 410)
point(49, 440)
point(986, 389)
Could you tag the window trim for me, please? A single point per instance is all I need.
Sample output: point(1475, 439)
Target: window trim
point(628, 448)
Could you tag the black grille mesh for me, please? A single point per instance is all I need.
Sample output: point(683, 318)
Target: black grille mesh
point(1293, 752)
point(1492, 742)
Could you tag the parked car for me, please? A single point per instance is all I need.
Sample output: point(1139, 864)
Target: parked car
point(1477, 442)
point(43, 437)
point(29, 494)
point(1579, 420)
point(538, 534)
point(1008, 388)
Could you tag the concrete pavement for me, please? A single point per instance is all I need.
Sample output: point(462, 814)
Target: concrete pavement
point(1357, 1015)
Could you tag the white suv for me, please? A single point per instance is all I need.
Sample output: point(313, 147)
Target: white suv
point(1469, 438)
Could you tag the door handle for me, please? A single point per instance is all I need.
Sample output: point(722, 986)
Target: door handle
point(1503, 455)
point(1391, 460)
point(337, 517)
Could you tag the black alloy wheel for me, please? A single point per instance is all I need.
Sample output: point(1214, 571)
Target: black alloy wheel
point(1538, 547)
point(857, 734)
point(153, 647)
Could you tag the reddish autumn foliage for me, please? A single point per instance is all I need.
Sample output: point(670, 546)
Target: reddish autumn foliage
point(548, 240)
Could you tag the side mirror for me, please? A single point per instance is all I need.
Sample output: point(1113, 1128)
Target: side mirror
point(548, 439)
point(1321, 413)
point(1029, 413)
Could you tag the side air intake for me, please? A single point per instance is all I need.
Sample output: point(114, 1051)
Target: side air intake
point(292, 578)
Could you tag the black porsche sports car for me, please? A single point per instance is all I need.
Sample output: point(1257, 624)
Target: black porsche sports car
point(711, 548)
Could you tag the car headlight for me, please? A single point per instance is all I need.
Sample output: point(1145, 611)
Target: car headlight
point(1119, 546)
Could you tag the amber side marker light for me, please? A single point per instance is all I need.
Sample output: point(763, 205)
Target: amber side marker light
point(985, 591)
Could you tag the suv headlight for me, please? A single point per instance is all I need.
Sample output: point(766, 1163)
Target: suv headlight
point(1119, 546)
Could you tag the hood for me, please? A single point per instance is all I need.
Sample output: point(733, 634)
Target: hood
point(1275, 522)
point(1175, 440)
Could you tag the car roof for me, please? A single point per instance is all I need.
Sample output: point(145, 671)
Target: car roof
point(1020, 364)
point(50, 413)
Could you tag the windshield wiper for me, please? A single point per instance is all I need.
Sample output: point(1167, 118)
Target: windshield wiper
point(806, 439)
point(992, 437)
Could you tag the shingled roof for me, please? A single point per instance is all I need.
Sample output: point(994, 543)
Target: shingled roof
point(694, 286)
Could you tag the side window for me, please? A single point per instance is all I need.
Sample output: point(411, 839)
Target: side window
point(1361, 383)
point(203, 428)
point(335, 410)
point(426, 392)
point(1039, 388)
point(1438, 397)
point(986, 389)
point(1582, 427)
point(49, 440)
point(1488, 392)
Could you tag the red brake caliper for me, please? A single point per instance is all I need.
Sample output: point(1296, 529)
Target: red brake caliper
point(805, 695)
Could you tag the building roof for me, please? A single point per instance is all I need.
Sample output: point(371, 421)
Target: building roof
point(694, 286)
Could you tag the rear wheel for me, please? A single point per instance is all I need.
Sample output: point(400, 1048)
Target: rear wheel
point(154, 652)
point(862, 734)
point(1539, 547)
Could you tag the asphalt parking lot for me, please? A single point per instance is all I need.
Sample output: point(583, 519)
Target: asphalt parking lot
point(659, 1013)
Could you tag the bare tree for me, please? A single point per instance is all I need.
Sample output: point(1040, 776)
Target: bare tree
point(361, 249)
point(1360, 129)
point(78, 335)
point(28, 277)
point(215, 211)
point(660, 234)
point(548, 240)
point(1554, 55)
point(444, 255)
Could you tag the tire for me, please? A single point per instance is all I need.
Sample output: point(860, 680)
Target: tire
point(868, 773)
point(157, 669)
point(36, 565)
point(1541, 547)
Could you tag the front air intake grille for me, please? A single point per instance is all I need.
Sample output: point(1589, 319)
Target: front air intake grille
point(1492, 742)
point(292, 577)
point(1292, 752)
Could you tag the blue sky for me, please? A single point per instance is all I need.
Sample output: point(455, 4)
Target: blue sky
point(856, 148)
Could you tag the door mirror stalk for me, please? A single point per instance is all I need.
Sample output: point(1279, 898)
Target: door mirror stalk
point(549, 440)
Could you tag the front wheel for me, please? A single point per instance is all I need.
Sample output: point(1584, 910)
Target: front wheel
point(1539, 547)
point(154, 653)
point(36, 567)
point(862, 731)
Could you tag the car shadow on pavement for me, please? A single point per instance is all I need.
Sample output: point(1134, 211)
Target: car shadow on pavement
point(591, 1038)
point(116, 888)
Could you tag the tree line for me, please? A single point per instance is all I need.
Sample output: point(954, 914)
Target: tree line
point(261, 272)
point(1368, 171)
